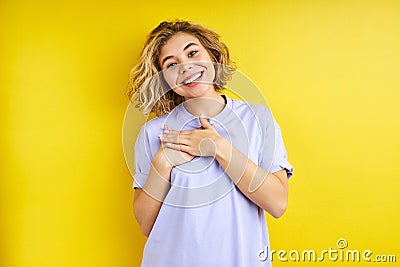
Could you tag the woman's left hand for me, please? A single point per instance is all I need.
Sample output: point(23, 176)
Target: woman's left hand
point(199, 142)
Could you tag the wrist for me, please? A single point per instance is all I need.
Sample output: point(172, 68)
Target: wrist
point(223, 148)
point(161, 163)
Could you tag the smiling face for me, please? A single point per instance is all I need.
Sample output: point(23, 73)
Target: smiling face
point(187, 66)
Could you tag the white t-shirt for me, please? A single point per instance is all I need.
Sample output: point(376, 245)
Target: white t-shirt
point(205, 219)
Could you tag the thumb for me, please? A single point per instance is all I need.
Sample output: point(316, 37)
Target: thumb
point(204, 123)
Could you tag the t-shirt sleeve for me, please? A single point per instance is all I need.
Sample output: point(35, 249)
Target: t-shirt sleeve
point(273, 153)
point(142, 159)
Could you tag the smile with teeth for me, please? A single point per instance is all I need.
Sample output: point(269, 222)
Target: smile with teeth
point(194, 78)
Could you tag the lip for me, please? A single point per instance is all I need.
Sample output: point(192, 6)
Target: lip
point(191, 76)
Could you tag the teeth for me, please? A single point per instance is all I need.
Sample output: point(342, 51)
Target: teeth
point(195, 77)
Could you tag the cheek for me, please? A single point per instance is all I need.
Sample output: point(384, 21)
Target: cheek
point(170, 77)
point(209, 74)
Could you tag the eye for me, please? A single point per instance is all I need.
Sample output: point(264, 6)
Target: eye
point(171, 65)
point(192, 53)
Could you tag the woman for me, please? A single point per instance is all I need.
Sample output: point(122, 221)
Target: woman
point(207, 165)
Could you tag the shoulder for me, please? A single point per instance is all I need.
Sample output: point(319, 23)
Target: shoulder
point(259, 112)
point(154, 125)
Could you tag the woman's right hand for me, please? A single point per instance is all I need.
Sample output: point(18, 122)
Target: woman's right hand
point(172, 157)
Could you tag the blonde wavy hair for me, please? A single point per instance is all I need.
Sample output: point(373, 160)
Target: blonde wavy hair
point(146, 86)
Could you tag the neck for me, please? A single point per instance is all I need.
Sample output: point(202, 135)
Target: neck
point(209, 106)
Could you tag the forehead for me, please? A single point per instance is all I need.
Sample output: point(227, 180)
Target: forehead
point(177, 43)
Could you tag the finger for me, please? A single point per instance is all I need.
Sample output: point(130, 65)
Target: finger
point(173, 138)
point(204, 122)
point(202, 128)
point(168, 129)
point(178, 147)
point(186, 132)
point(182, 132)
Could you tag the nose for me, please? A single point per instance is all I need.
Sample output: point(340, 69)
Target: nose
point(185, 66)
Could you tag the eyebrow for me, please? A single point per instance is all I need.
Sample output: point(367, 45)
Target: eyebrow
point(168, 57)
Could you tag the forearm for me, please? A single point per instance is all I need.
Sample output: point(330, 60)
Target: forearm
point(263, 188)
point(148, 201)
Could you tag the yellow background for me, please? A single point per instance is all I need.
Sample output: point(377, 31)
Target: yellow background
point(329, 70)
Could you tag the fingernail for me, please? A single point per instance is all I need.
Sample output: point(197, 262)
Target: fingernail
point(166, 131)
point(169, 144)
point(202, 115)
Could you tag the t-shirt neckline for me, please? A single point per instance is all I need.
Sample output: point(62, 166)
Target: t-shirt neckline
point(186, 115)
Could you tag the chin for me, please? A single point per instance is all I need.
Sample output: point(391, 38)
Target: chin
point(193, 92)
